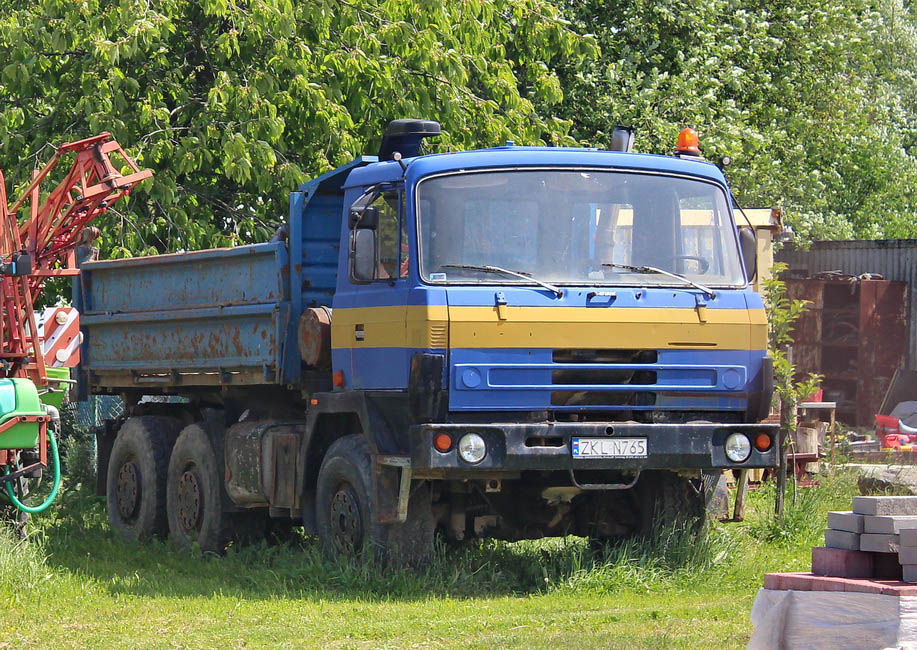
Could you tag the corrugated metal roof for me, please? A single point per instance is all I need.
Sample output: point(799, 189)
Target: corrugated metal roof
point(894, 259)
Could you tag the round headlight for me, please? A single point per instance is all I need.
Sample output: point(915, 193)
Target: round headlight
point(471, 448)
point(738, 447)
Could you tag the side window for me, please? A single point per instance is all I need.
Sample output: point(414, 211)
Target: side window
point(387, 236)
point(403, 242)
point(390, 235)
point(379, 241)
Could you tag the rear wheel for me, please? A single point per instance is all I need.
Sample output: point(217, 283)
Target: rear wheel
point(136, 481)
point(346, 511)
point(193, 494)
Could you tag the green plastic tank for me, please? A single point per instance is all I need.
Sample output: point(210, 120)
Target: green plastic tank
point(19, 397)
point(56, 398)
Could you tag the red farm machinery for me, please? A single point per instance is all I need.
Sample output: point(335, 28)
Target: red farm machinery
point(39, 234)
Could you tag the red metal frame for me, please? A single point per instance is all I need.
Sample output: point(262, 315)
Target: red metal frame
point(42, 420)
point(49, 234)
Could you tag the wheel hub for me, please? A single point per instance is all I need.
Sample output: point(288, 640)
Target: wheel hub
point(346, 521)
point(190, 501)
point(128, 489)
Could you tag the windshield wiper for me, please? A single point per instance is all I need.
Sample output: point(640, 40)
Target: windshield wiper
point(710, 293)
point(497, 269)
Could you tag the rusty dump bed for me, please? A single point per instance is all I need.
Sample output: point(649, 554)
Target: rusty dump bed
point(208, 317)
point(225, 316)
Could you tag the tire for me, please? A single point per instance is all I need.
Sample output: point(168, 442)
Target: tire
point(194, 495)
point(671, 502)
point(346, 511)
point(136, 481)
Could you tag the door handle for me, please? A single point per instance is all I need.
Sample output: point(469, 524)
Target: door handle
point(358, 332)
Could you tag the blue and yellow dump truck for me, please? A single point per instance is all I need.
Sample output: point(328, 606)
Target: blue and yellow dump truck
point(513, 342)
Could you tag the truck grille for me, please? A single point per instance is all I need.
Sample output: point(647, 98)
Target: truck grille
point(602, 398)
point(603, 376)
point(604, 356)
point(608, 380)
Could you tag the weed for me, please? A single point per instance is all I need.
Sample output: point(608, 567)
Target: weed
point(803, 520)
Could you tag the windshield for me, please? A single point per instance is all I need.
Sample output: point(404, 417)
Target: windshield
point(575, 227)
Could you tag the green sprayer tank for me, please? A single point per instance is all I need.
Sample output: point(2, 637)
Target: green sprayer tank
point(19, 397)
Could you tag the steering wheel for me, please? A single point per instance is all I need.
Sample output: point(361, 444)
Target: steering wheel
point(702, 262)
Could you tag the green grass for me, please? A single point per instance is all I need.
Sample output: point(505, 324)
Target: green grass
point(74, 584)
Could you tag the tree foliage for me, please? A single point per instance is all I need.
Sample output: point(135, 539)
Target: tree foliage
point(234, 103)
point(814, 101)
point(782, 314)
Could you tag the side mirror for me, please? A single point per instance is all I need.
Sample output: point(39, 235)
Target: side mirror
point(359, 209)
point(363, 255)
point(749, 245)
point(367, 218)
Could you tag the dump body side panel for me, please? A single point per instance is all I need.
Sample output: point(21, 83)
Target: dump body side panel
point(214, 317)
point(207, 317)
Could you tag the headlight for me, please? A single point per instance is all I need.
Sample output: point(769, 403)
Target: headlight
point(472, 448)
point(738, 447)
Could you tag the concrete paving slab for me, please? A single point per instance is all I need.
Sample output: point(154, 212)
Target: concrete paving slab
point(842, 539)
point(841, 563)
point(907, 555)
point(882, 505)
point(901, 478)
point(888, 524)
point(811, 582)
point(909, 572)
point(879, 543)
point(846, 520)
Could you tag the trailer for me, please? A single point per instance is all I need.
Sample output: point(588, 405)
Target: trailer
point(513, 342)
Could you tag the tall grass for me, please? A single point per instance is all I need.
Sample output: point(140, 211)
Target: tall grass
point(23, 568)
point(73, 539)
point(804, 518)
point(76, 539)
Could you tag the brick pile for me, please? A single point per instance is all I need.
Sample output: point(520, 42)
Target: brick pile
point(871, 549)
point(907, 554)
point(867, 541)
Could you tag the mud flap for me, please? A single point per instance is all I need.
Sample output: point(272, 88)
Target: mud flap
point(392, 487)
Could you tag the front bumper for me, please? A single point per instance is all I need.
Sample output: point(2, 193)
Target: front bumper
point(547, 446)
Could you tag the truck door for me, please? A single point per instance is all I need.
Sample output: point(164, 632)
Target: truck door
point(369, 320)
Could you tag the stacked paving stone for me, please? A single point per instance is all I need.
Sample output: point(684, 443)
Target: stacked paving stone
point(867, 541)
point(868, 550)
point(907, 554)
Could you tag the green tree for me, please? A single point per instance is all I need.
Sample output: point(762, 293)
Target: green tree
point(234, 103)
point(814, 101)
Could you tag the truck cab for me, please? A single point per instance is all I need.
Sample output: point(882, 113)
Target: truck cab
point(511, 342)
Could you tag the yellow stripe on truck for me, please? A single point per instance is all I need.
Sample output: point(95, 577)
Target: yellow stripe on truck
point(419, 326)
point(415, 326)
point(595, 327)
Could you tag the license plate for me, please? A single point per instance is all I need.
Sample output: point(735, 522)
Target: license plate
point(609, 447)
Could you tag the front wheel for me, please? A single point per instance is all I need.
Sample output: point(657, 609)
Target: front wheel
point(346, 511)
point(671, 503)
